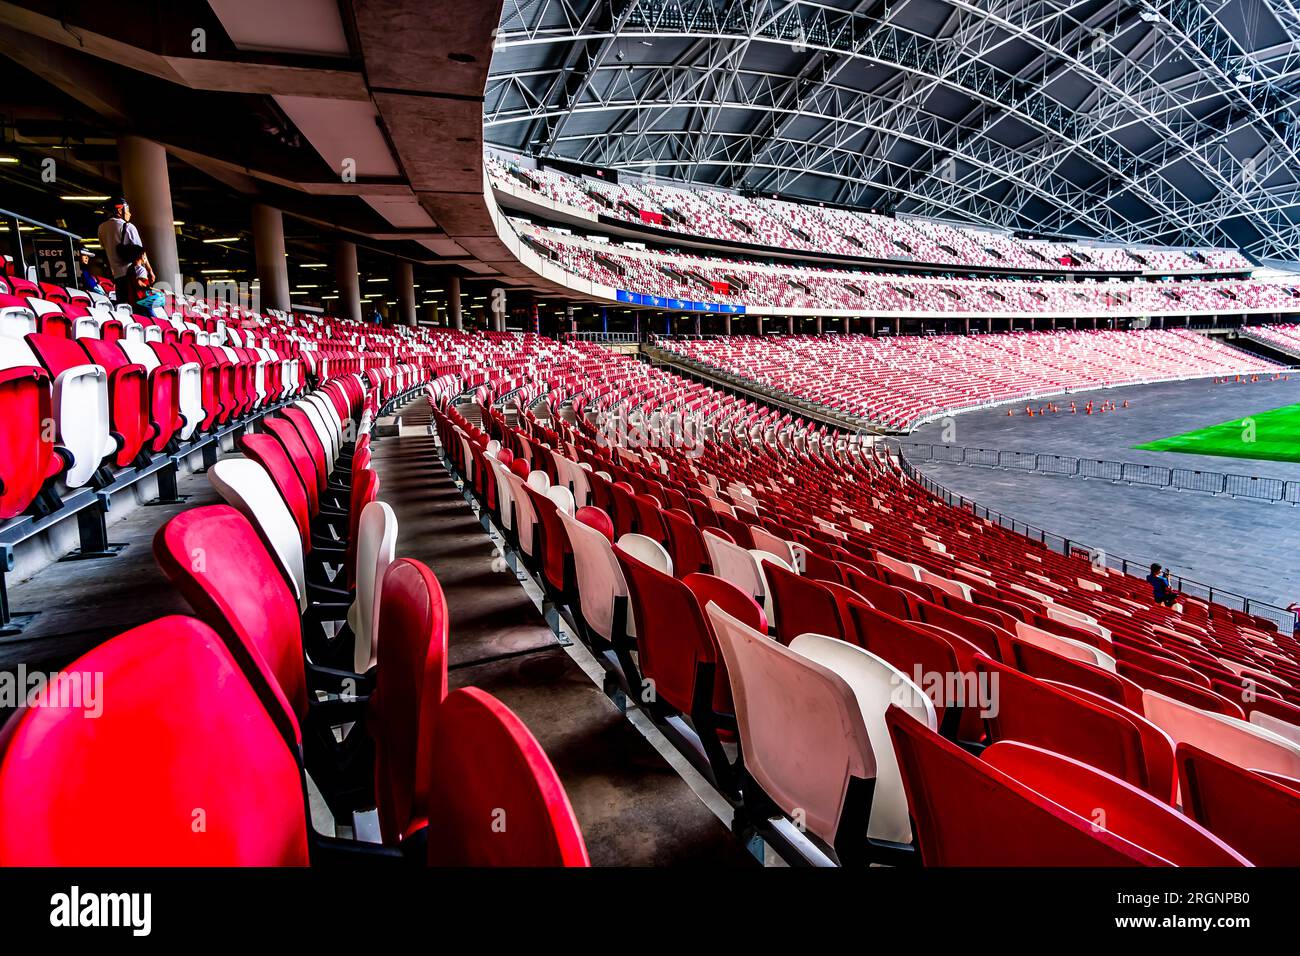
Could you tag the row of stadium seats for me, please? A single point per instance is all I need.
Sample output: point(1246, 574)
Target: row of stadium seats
point(766, 287)
point(901, 380)
point(261, 699)
point(1285, 336)
point(859, 710)
point(718, 214)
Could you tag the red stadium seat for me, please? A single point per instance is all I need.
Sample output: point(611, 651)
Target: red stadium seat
point(410, 685)
point(181, 740)
point(494, 798)
point(972, 812)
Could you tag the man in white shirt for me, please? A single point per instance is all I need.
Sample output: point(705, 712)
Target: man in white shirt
point(116, 231)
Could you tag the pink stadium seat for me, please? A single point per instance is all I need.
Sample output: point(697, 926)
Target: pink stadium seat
point(801, 732)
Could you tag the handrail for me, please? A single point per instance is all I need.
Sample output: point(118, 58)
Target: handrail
point(14, 218)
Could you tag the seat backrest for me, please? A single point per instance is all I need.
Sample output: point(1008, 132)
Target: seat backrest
point(410, 684)
point(1049, 665)
point(801, 606)
point(1064, 646)
point(1283, 728)
point(884, 597)
point(1226, 737)
point(270, 454)
point(1257, 815)
point(673, 636)
point(685, 542)
point(284, 431)
point(494, 797)
point(179, 739)
point(982, 634)
point(923, 656)
point(26, 447)
point(1193, 694)
point(876, 684)
point(801, 728)
point(733, 563)
point(310, 439)
point(600, 579)
point(1157, 746)
point(505, 495)
point(970, 813)
point(365, 489)
point(1113, 805)
point(246, 485)
point(562, 498)
point(215, 557)
point(646, 549)
point(1034, 712)
point(376, 550)
point(765, 540)
point(709, 589)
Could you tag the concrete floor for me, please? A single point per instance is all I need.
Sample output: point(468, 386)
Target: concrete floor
point(635, 809)
point(1244, 546)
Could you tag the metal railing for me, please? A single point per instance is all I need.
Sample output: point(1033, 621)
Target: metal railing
point(606, 338)
point(1284, 619)
point(54, 250)
point(1120, 472)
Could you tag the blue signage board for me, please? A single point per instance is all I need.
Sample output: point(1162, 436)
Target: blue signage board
point(678, 305)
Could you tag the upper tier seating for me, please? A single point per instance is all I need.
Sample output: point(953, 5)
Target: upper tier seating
point(721, 214)
point(765, 287)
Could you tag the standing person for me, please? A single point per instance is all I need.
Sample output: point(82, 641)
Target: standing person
point(1161, 593)
point(120, 241)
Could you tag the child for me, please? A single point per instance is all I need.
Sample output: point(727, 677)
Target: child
point(138, 280)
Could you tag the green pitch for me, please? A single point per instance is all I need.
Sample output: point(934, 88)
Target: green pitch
point(1271, 436)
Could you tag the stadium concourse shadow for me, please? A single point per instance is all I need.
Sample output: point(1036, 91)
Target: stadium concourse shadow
point(1240, 545)
point(634, 808)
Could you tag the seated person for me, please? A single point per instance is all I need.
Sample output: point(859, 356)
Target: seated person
point(89, 281)
point(1161, 593)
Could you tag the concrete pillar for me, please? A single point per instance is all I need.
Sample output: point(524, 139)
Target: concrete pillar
point(846, 325)
point(147, 190)
point(819, 325)
point(451, 289)
point(571, 315)
point(871, 325)
point(727, 327)
point(347, 280)
point(268, 249)
point(789, 325)
point(404, 279)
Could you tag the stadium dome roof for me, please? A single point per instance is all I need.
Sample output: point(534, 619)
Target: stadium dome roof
point(1167, 122)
